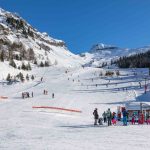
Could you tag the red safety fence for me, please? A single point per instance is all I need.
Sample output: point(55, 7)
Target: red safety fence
point(57, 108)
point(3, 97)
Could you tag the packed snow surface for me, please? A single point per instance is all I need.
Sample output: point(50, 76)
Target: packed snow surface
point(25, 128)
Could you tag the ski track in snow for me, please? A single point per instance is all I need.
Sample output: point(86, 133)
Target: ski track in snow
point(24, 128)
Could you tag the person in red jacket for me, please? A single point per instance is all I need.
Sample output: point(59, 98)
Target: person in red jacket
point(133, 119)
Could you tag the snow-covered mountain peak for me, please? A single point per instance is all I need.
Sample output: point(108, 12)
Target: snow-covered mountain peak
point(101, 54)
point(100, 46)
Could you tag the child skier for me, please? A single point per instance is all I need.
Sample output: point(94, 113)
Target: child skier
point(133, 119)
point(114, 119)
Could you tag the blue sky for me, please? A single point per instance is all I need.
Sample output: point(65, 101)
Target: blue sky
point(82, 23)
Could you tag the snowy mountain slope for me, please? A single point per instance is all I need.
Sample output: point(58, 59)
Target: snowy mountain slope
point(19, 40)
point(25, 128)
point(101, 53)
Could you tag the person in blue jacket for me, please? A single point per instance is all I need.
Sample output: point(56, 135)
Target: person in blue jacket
point(125, 114)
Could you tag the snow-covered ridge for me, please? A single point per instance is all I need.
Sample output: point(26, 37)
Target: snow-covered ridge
point(102, 53)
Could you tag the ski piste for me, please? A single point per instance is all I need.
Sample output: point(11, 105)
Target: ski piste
point(47, 128)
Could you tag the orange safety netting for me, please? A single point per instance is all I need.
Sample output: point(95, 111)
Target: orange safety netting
point(3, 97)
point(57, 108)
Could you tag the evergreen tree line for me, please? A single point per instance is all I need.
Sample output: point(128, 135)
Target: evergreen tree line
point(21, 54)
point(19, 76)
point(23, 65)
point(11, 57)
point(141, 60)
point(46, 63)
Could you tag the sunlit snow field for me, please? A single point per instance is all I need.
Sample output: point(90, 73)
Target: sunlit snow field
point(25, 128)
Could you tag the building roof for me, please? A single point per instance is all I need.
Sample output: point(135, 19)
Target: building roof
point(137, 106)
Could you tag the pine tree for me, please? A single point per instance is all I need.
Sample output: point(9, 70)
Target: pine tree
point(17, 57)
point(41, 64)
point(21, 77)
point(35, 62)
point(28, 66)
point(27, 77)
point(32, 77)
point(23, 67)
point(47, 64)
point(12, 63)
point(2, 56)
point(8, 77)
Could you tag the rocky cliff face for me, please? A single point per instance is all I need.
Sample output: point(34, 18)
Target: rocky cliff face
point(21, 42)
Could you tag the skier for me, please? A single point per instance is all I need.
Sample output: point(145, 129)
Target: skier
point(147, 119)
point(32, 94)
point(44, 92)
point(119, 116)
point(23, 95)
point(28, 95)
point(114, 119)
point(109, 116)
point(140, 84)
point(125, 114)
point(133, 119)
point(52, 95)
point(104, 117)
point(95, 113)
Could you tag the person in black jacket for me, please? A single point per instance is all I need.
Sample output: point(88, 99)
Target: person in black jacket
point(95, 113)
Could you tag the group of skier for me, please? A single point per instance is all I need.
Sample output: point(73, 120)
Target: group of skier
point(26, 95)
point(46, 93)
point(110, 118)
